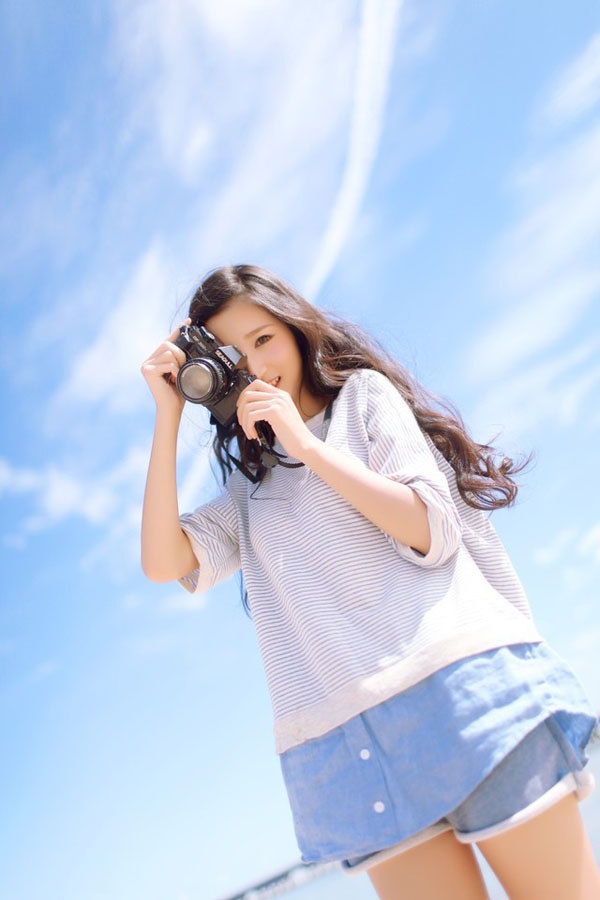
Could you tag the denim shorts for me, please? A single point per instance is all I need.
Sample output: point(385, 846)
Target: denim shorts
point(402, 771)
point(541, 770)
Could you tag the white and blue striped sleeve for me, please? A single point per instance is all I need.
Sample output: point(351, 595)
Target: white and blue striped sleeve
point(214, 536)
point(398, 450)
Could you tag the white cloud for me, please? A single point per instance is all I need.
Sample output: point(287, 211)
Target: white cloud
point(160, 48)
point(29, 224)
point(117, 552)
point(107, 370)
point(576, 89)
point(375, 56)
point(587, 640)
point(568, 542)
point(554, 391)
point(539, 321)
point(183, 601)
point(543, 273)
point(299, 90)
point(56, 494)
point(369, 249)
point(17, 480)
point(268, 93)
point(590, 543)
point(553, 551)
point(62, 495)
point(290, 104)
point(582, 650)
point(286, 150)
point(245, 27)
point(132, 601)
point(559, 225)
point(150, 645)
point(573, 552)
point(208, 73)
point(43, 671)
point(14, 541)
point(290, 101)
point(576, 578)
point(197, 480)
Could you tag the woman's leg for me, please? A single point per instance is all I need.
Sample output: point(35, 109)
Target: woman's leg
point(438, 868)
point(547, 858)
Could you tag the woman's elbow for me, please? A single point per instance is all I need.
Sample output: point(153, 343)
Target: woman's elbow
point(158, 574)
point(154, 575)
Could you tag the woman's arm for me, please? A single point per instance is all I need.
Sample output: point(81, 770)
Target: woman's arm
point(166, 549)
point(393, 507)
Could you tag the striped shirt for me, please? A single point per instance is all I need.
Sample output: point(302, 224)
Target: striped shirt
point(346, 616)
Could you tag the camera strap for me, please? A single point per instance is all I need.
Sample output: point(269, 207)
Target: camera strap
point(271, 458)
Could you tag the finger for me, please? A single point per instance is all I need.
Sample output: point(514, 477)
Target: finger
point(258, 410)
point(165, 365)
point(257, 386)
point(175, 333)
point(168, 369)
point(250, 431)
point(260, 413)
point(248, 424)
point(249, 396)
point(172, 351)
point(261, 385)
point(246, 399)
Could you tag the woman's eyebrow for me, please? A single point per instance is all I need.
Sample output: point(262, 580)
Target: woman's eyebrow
point(254, 330)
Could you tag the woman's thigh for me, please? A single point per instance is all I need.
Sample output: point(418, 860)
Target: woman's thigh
point(440, 867)
point(549, 857)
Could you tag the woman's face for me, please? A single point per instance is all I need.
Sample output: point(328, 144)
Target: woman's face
point(268, 349)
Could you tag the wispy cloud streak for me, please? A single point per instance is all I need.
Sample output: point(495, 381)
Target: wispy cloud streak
point(375, 56)
point(543, 272)
point(577, 89)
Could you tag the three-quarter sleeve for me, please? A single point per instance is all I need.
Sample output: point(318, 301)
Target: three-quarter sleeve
point(398, 449)
point(214, 535)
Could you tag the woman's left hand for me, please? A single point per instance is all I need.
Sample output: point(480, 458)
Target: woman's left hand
point(260, 400)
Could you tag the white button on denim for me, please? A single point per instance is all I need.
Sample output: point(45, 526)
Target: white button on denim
point(379, 806)
point(364, 754)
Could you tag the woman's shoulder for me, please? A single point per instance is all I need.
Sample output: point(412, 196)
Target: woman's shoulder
point(371, 389)
point(354, 390)
point(366, 392)
point(366, 377)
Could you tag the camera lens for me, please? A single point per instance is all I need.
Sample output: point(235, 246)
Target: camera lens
point(200, 380)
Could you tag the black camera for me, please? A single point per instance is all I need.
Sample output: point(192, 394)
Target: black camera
point(209, 375)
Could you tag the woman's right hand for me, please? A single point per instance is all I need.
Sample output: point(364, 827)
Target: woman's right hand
point(167, 359)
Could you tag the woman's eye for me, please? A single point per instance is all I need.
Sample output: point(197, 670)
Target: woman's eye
point(267, 336)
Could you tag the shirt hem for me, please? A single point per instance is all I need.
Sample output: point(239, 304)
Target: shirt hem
point(369, 690)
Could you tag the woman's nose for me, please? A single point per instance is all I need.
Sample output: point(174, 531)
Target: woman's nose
point(254, 366)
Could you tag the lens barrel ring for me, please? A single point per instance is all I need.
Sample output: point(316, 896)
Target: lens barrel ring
point(200, 380)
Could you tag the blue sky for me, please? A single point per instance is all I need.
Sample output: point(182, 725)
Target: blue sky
point(429, 169)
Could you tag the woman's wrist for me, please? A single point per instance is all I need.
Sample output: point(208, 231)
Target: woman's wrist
point(168, 416)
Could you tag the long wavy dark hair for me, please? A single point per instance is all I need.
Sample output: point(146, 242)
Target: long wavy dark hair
point(331, 349)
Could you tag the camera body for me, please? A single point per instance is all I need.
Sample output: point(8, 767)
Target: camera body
point(209, 375)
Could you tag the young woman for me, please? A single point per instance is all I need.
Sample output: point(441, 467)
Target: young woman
point(417, 709)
